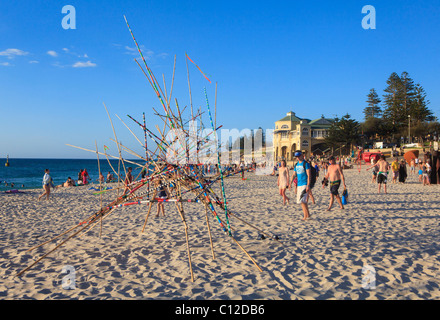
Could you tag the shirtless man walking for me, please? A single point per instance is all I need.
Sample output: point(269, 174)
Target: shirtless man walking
point(335, 177)
point(383, 167)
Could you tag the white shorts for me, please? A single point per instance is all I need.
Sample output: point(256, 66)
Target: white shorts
point(299, 193)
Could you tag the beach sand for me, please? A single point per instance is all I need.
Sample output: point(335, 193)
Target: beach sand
point(322, 258)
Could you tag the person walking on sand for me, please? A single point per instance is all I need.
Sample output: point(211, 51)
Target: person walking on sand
point(383, 167)
point(128, 179)
point(301, 171)
point(47, 184)
point(283, 181)
point(426, 171)
point(374, 171)
point(420, 165)
point(412, 166)
point(402, 171)
point(395, 169)
point(335, 177)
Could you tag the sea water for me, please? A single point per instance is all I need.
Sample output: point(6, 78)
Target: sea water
point(28, 173)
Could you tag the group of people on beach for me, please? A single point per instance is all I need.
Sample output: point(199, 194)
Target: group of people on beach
point(398, 169)
point(304, 178)
point(83, 179)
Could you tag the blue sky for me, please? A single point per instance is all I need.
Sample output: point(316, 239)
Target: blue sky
point(311, 57)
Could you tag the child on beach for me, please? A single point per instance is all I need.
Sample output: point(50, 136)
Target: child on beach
point(374, 171)
point(420, 171)
point(162, 194)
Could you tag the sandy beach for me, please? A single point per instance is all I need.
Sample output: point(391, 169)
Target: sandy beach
point(322, 258)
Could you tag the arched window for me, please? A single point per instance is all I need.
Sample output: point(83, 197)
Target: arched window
point(305, 131)
point(305, 143)
point(284, 126)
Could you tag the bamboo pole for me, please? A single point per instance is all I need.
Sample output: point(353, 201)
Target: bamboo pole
point(189, 86)
point(100, 185)
point(148, 214)
point(119, 149)
point(209, 231)
point(187, 241)
point(172, 81)
point(46, 254)
point(253, 261)
point(215, 106)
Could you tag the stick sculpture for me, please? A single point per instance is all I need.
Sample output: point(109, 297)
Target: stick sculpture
point(183, 180)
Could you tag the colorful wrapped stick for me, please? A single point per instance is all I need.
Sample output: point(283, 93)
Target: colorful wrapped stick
point(219, 166)
point(208, 200)
point(198, 68)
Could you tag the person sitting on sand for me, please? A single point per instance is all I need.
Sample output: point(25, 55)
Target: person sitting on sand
point(69, 183)
point(335, 177)
point(110, 177)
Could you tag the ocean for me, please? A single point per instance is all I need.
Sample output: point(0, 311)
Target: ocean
point(28, 173)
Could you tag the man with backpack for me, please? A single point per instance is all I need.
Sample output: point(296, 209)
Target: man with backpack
point(303, 172)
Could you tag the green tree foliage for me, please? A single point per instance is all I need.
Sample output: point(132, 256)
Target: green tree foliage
point(343, 131)
point(419, 106)
point(402, 99)
point(373, 109)
point(393, 111)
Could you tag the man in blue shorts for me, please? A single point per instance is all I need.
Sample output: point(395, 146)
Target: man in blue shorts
point(302, 171)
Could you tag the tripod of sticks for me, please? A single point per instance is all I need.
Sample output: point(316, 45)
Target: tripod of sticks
point(167, 167)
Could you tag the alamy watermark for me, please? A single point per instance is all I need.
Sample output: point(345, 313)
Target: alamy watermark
point(369, 21)
point(369, 277)
point(68, 282)
point(69, 20)
point(194, 146)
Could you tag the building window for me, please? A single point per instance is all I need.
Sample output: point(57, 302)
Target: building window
point(285, 126)
point(305, 132)
point(284, 135)
point(305, 143)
